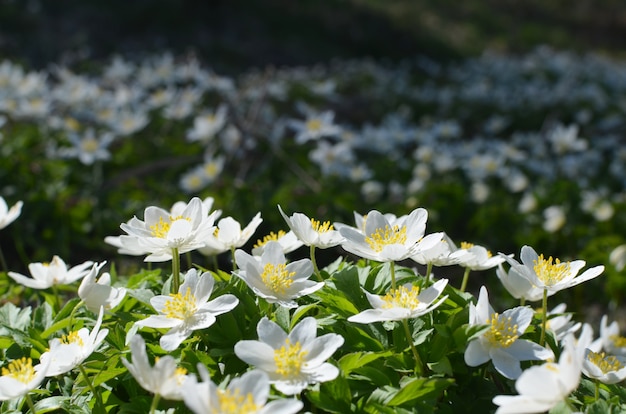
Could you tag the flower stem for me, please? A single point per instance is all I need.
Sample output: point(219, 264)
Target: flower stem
point(175, 270)
point(79, 304)
point(30, 403)
point(315, 268)
point(597, 389)
point(95, 393)
point(3, 262)
point(155, 403)
point(392, 270)
point(419, 369)
point(544, 317)
point(465, 278)
point(232, 255)
point(429, 269)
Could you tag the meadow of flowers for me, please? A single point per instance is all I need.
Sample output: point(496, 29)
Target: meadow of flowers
point(360, 236)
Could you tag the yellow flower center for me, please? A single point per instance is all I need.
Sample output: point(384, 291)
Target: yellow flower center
point(161, 228)
point(72, 124)
point(179, 306)
point(89, 145)
point(211, 169)
point(501, 332)
point(314, 125)
point(180, 374)
point(233, 402)
point(402, 298)
point(321, 227)
point(385, 236)
point(289, 359)
point(618, 341)
point(270, 237)
point(277, 278)
point(607, 363)
point(467, 246)
point(72, 338)
point(20, 369)
point(550, 273)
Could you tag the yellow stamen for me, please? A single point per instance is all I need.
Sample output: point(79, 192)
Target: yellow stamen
point(20, 369)
point(180, 307)
point(314, 125)
point(277, 278)
point(501, 332)
point(467, 246)
point(162, 228)
point(270, 237)
point(289, 359)
point(72, 338)
point(233, 402)
point(618, 341)
point(402, 298)
point(384, 237)
point(321, 227)
point(89, 145)
point(550, 273)
point(606, 363)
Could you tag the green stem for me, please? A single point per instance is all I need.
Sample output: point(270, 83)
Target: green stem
point(597, 390)
point(79, 304)
point(429, 269)
point(465, 278)
point(315, 268)
point(57, 297)
point(544, 317)
point(95, 393)
point(189, 261)
point(30, 403)
point(232, 258)
point(419, 369)
point(155, 403)
point(175, 271)
point(522, 301)
point(392, 270)
point(3, 262)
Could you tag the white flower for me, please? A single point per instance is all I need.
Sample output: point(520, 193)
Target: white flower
point(206, 125)
point(312, 232)
point(475, 257)
point(292, 361)
point(161, 232)
point(610, 339)
point(8, 215)
point(96, 293)
point(541, 387)
point(19, 377)
point(617, 257)
point(315, 126)
point(88, 147)
point(383, 240)
point(551, 274)
point(404, 302)
point(560, 323)
point(608, 369)
point(287, 240)
point(187, 310)
point(164, 378)
point(271, 278)
point(71, 350)
point(229, 235)
point(518, 286)
point(500, 343)
point(245, 394)
point(440, 254)
point(44, 275)
point(554, 218)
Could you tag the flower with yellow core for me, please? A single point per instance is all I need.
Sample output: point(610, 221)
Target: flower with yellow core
point(275, 280)
point(247, 394)
point(291, 361)
point(312, 232)
point(609, 369)
point(187, 310)
point(501, 342)
point(229, 235)
point(287, 240)
point(404, 302)
point(551, 273)
point(19, 377)
point(55, 272)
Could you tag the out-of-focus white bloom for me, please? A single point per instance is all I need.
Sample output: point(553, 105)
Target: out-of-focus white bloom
point(207, 124)
point(560, 323)
point(294, 360)
point(66, 353)
point(551, 274)
point(617, 257)
point(187, 310)
point(315, 126)
point(542, 387)
point(99, 293)
point(287, 240)
point(127, 122)
point(608, 369)
point(312, 232)
point(44, 275)
point(8, 215)
point(565, 139)
point(229, 235)
point(610, 339)
point(88, 147)
point(527, 203)
point(501, 342)
point(554, 218)
point(245, 394)
point(275, 280)
point(372, 190)
point(479, 192)
point(405, 302)
point(164, 378)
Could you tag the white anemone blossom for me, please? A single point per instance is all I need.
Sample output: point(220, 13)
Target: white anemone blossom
point(229, 235)
point(385, 240)
point(56, 272)
point(292, 361)
point(275, 280)
point(501, 342)
point(161, 232)
point(246, 394)
point(542, 387)
point(8, 215)
point(404, 302)
point(187, 310)
point(312, 232)
point(19, 377)
point(608, 369)
point(97, 291)
point(287, 240)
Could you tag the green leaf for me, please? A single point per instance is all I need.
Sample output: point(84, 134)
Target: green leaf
point(355, 360)
point(50, 404)
point(420, 389)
